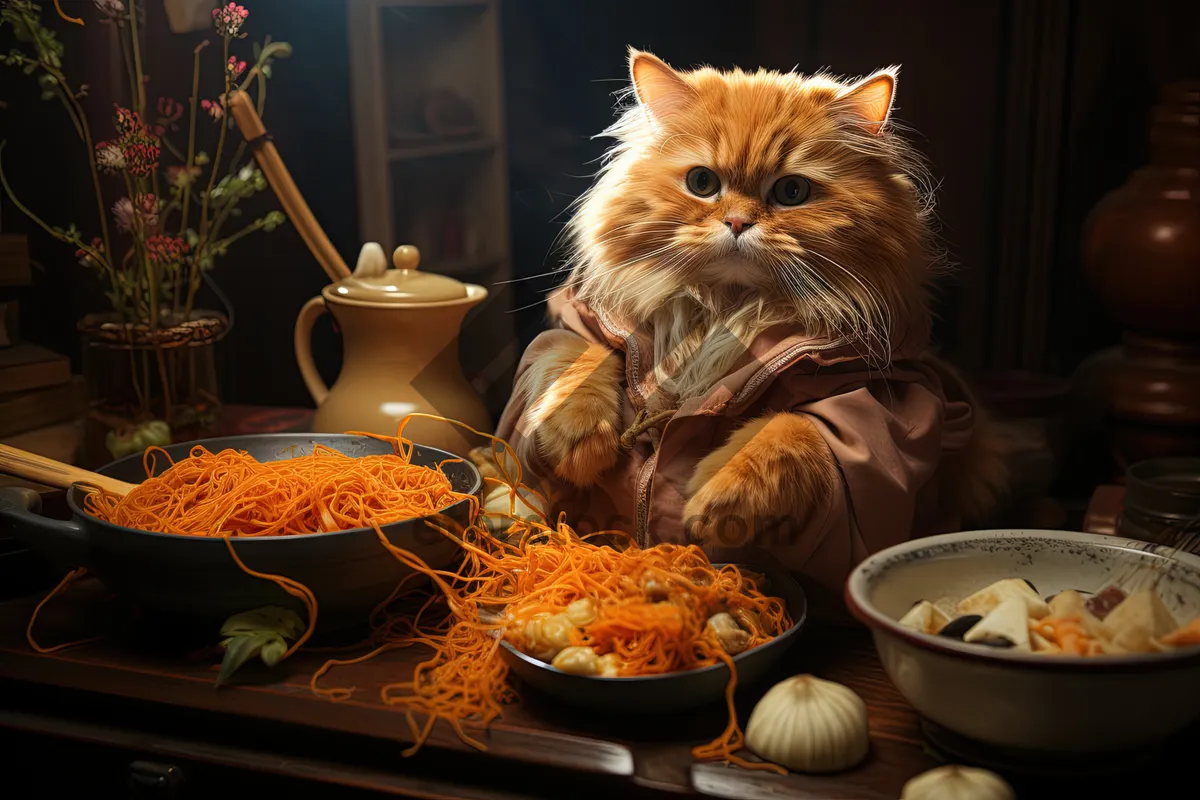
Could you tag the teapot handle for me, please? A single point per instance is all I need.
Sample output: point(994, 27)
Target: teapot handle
point(313, 309)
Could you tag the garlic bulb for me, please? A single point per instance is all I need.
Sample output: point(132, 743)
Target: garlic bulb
point(501, 508)
point(810, 725)
point(957, 783)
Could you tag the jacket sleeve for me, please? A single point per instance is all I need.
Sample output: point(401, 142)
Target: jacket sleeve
point(886, 437)
point(524, 394)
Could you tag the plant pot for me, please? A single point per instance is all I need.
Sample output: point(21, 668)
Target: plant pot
point(137, 375)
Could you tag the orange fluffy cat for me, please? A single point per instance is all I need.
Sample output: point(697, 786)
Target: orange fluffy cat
point(740, 349)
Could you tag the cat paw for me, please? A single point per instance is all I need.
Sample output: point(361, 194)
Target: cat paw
point(574, 422)
point(772, 470)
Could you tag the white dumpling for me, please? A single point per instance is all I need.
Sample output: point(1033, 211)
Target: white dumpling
point(985, 600)
point(1009, 620)
point(1139, 621)
point(1073, 604)
point(925, 617)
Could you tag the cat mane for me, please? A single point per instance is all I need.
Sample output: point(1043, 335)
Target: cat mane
point(623, 262)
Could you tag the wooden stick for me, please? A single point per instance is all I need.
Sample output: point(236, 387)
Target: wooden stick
point(298, 212)
point(40, 469)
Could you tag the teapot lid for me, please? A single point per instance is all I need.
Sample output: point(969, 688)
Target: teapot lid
point(372, 282)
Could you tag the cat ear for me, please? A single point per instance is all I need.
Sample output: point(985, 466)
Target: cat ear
point(659, 88)
point(871, 98)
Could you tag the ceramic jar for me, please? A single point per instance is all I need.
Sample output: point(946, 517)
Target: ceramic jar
point(400, 333)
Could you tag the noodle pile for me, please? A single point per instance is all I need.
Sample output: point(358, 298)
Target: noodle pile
point(651, 608)
point(230, 493)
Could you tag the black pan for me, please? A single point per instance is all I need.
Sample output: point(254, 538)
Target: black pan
point(194, 577)
point(679, 691)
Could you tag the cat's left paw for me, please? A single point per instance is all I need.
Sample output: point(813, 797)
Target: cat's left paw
point(772, 469)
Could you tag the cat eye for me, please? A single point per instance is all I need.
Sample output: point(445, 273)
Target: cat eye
point(791, 190)
point(703, 182)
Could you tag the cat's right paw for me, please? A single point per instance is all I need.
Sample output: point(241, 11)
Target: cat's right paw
point(574, 423)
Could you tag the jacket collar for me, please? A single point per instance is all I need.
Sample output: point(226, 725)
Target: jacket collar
point(773, 352)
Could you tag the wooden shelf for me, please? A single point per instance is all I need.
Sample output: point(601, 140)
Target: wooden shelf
point(438, 149)
point(443, 192)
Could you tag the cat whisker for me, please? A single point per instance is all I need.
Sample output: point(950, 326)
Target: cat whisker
point(881, 310)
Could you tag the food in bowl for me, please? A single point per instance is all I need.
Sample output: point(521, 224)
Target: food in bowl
point(1015, 708)
point(637, 612)
point(588, 609)
point(1009, 613)
point(230, 493)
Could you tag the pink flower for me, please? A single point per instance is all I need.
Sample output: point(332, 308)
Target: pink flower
point(140, 214)
point(109, 158)
point(127, 122)
point(141, 157)
point(229, 19)
point(166, 249)
point(235, 67)
point(147, 211)
point(169, 110)
point(138, 143)
point(213, 108)
point(123, 214)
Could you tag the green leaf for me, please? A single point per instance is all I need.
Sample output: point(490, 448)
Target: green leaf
point(273, 619)
point(273, 651)
point(240, 650)
point(275, 50)
point(261, 632)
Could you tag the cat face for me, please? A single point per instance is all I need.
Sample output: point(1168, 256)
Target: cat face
point(779, 189)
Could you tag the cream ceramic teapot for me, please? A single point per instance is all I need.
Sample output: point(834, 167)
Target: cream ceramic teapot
point(400, 331)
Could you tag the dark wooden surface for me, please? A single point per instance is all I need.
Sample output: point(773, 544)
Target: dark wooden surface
point(147, 693)
point(131, 675)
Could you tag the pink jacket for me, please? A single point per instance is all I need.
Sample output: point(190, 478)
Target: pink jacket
point(888, 431)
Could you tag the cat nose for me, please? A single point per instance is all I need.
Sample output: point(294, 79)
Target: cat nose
point(737, 224)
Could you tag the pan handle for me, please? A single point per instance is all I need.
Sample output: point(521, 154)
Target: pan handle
point(62, 542)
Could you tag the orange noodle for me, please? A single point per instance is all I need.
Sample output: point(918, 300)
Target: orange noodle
point(230, 494)
point(67, 580)
point(649, 609)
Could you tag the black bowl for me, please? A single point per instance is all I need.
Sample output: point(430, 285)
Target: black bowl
point(676, 691)
point(194, 577)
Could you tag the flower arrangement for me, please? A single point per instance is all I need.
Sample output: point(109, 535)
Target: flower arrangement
point(176, 209)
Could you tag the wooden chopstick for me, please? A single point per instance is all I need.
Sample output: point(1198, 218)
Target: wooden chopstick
point(40, 469)
point(298, 212)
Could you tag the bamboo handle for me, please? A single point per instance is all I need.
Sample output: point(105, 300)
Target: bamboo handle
point(298, 212)
point(40, 469)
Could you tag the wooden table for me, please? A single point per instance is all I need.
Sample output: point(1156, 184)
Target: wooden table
point(137, 696)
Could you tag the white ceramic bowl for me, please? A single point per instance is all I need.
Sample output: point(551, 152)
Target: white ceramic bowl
point(1024, 701)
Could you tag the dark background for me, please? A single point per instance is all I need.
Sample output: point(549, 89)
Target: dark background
point(1029, 111)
